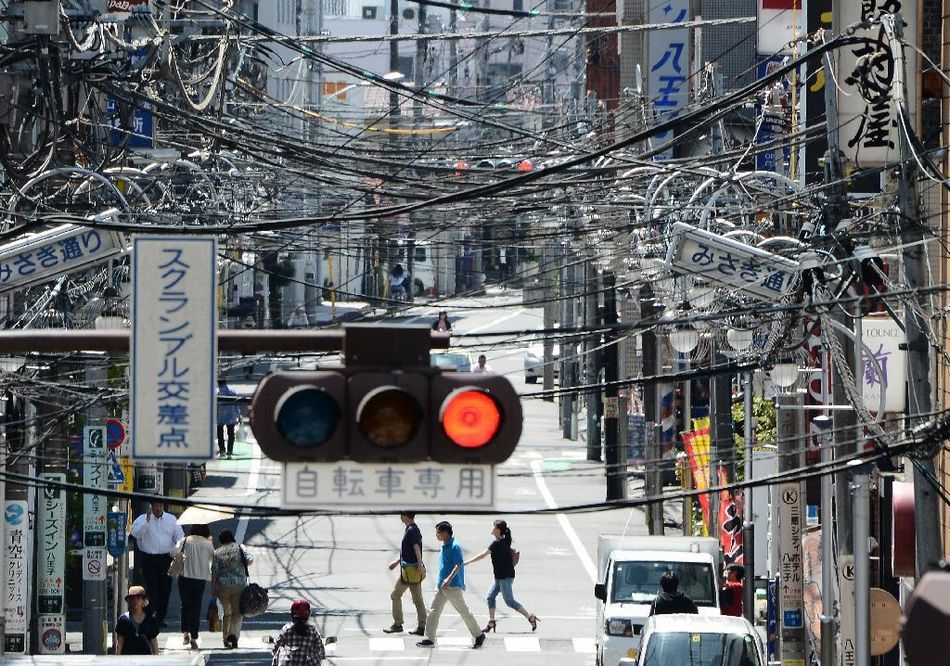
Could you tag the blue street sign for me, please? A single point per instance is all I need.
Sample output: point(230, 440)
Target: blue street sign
point(116, 476)
point(792, 619)
point(115, 533)
point(771, 623)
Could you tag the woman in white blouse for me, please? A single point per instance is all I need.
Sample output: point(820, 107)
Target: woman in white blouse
point(198, 550)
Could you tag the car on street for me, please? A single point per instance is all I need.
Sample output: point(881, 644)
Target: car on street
point(534, 361)
point(452, 360)
point(700, 640)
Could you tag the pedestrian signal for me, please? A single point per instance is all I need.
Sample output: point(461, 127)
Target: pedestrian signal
point(370, 415)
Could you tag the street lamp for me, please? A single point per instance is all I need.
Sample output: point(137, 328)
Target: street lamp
point(740, 339)
point(684, 338)
point(784, 374)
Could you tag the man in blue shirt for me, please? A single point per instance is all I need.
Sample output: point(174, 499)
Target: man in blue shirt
point(228, 415)
point(451, 586)
point(412, 570)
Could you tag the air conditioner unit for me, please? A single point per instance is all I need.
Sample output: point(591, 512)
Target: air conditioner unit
point(369, 12)
point(409, 13)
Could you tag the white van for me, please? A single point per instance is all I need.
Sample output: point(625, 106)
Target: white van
point(631, 568)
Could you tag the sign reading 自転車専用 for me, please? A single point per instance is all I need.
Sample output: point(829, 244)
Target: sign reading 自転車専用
point(173, 347)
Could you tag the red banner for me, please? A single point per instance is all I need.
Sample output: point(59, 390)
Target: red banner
point(696, 444)
point(730, 522)
point(781, 4)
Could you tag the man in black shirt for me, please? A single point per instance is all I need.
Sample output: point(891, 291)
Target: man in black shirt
point(412, 570)
point(670, 599)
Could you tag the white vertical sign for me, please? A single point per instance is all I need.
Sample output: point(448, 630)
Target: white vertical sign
point(779, 23)
point(52, 546)
point(882, 339)
point(16, 566)
point(174, 347)
point(94, 505)
point(52, 633)
point(670, 58)
point(791, 588)
point(867, 115)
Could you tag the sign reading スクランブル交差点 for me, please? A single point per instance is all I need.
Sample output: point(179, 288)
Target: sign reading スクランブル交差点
point(51, 564)
point(414, 486)
point(173, 347)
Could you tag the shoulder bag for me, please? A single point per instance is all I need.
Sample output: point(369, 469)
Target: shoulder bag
point(177, 565)
point(254, 598)
point(411, 574)
point(515, 557)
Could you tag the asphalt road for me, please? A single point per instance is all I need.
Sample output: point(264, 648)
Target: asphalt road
point(340, 563)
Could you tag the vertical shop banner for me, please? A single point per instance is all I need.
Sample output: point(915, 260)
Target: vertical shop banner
point(174, 347)
point(16, 569)
point(697, 451)
point(730, 521)
point(868, 117)
point(94, 505)
point(670, 55)
point(887, 373)
point(51, 565)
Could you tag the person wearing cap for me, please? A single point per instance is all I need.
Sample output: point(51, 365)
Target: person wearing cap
point(156, 534)
point(299, 643)
point(136, 631)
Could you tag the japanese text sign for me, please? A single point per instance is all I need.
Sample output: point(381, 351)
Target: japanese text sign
point(669, 65)
point(94, 475)
point(868, 120)
point(791, 572)
point(50, 566)
point(52, 631)
point(116, 541)
point(174, 347)
point(882, 339)
point(61, 250)
point(779, 23)
point(747, 269)
point(16, 570)
point(420, 485)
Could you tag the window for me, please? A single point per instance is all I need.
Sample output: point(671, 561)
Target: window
point(369, 12)
point(336, 8)
point(640, 581)
point(700, 649)
point(517, 5)
point(420, 254)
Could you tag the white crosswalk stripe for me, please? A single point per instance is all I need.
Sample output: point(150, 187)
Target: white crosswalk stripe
point(387, 644)
point(522, 644)
point(584, 645)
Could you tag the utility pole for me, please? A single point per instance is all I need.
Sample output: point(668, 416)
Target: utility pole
point(788, 502)
point(614, 454)
point(550, 256)
point(568, 351)
point(919, 401)
point(592, 360)
point(722, 444)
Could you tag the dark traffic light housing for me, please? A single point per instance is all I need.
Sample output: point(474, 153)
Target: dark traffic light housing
point(386, 405)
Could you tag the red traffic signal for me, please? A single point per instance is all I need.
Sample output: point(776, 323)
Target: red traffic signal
point(373, 415)
point(474, 417)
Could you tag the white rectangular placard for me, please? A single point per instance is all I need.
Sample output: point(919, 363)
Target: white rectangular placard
point(174, 347)
point(411, 486)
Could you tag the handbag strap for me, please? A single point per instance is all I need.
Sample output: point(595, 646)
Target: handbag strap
point(243, 560)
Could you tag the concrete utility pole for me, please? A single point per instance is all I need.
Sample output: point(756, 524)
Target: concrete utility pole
point(748, 518)
point(614, 454)
point(919, 400)
point(550, 259)
point(94, 592)
point(592, 360)
point(721, 441)
point(787, 502)
point(568, 350)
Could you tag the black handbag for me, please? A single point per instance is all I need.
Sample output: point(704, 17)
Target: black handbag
point(254, 598)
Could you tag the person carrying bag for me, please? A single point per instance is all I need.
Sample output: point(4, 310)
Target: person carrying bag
point(254, 598)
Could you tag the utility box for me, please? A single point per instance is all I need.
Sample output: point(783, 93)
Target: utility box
point(41, 17)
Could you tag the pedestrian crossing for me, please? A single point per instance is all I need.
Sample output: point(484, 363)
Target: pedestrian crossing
point(379, 645)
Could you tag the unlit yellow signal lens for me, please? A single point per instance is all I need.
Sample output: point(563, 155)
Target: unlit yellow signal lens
point(389, 416)
point(471, 418)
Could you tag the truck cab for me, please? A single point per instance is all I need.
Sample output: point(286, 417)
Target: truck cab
point(631, 569)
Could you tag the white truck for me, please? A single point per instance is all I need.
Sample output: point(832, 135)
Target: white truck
point(631, 567)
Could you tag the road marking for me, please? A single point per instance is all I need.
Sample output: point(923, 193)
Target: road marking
point(387, 644)
point(522, 644)
point(495, 322)
point(454, 641)
point(569, 532)
point(584, 645)
point(252, 479)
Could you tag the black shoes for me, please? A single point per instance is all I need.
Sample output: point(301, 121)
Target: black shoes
point(425, 642)
point(231, 642)
point(394, 629)
point(479, 640)
point(419, 631)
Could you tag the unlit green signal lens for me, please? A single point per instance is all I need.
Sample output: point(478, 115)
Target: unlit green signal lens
point(306, 416)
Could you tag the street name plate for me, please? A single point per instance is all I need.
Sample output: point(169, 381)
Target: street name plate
point(378, 485)
point(744, 268)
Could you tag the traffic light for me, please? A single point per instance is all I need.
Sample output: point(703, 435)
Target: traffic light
point(386, 415)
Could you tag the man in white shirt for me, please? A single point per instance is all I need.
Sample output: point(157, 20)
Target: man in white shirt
point(156, 534)
point(482, 365)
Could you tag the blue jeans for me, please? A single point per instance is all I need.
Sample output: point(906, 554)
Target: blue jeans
point(504, 586)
